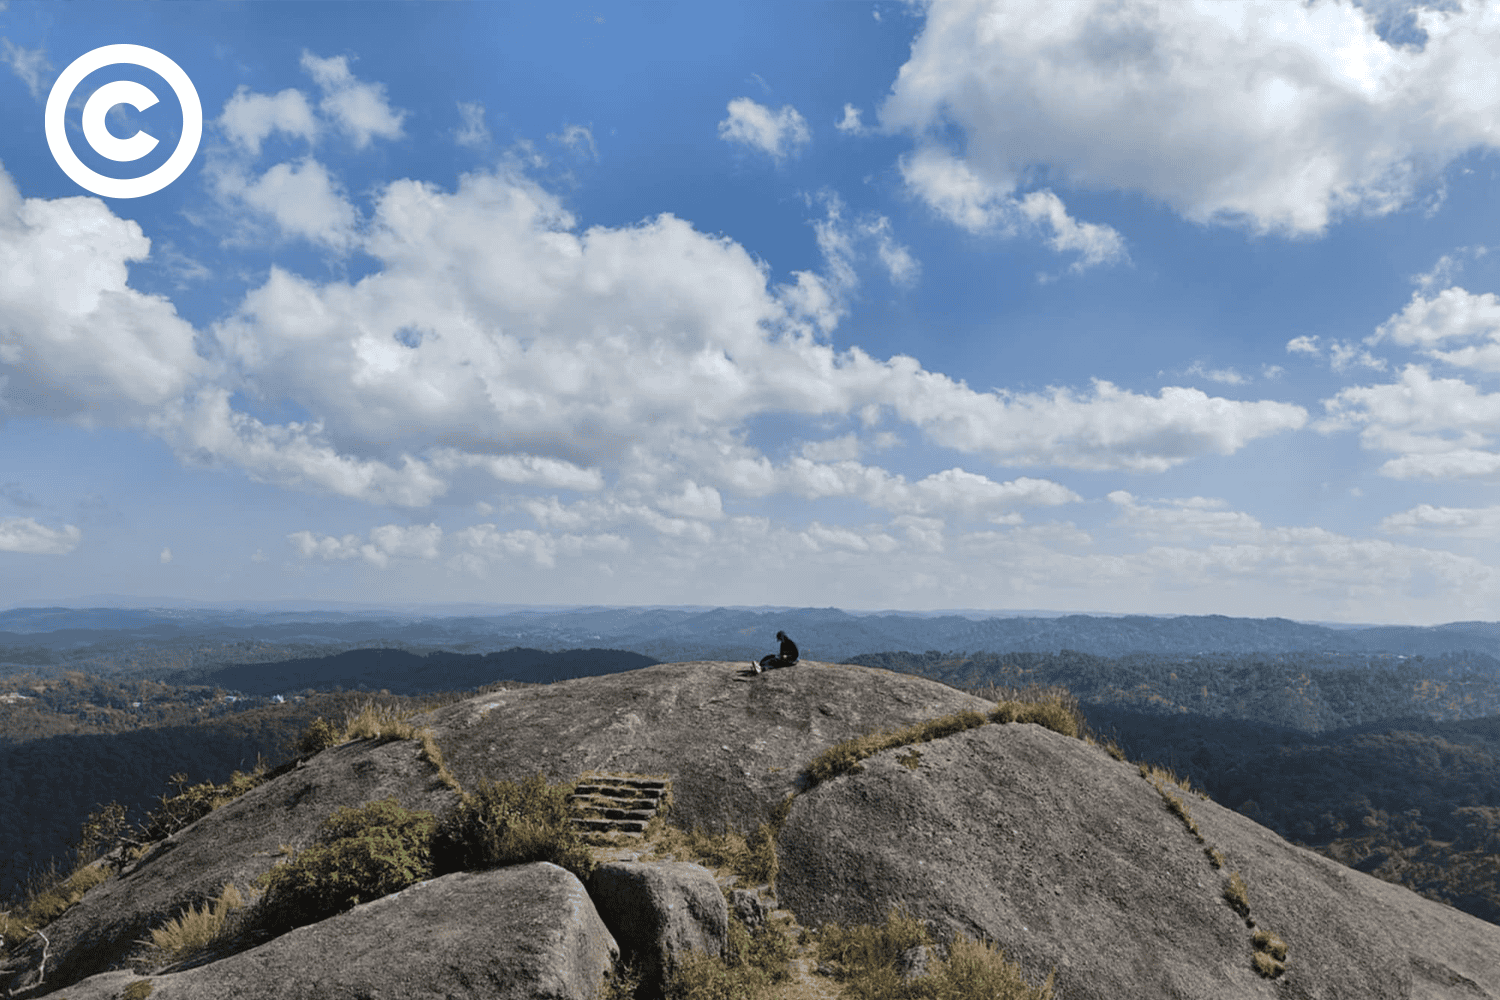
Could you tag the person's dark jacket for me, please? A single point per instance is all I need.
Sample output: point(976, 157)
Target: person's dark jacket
point(788, 650)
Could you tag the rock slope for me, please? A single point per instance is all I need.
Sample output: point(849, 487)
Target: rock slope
point(1063, 856)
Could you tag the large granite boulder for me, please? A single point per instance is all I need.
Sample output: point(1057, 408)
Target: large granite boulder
point(1068, 859)
point(658, 911)
point(234, 843)
point(527, 932)
point(734, 743)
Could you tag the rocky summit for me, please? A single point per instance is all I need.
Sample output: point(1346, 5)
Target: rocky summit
point(1072, 862)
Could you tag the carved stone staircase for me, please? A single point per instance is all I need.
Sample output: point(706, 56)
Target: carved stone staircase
point(618, 803)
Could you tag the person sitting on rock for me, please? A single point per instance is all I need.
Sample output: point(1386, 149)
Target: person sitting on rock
point(785, 658)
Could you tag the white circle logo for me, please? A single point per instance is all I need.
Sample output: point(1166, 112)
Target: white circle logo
point(106, 97)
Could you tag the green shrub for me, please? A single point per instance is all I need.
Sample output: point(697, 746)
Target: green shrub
point(362, 854)
point(192, 803)
point(318, 737)
point(503, 823)
point(619, 984)
point(138, 990)
point(100, 832)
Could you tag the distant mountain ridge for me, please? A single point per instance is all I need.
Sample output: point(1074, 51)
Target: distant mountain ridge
point(52, 635)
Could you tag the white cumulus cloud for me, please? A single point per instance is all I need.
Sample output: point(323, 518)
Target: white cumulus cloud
point(1279, 117)
point(1440, 428)
point(386, 542)
point(1460, 522)
point(776, 133)
point(25, 534)
point(359, 108)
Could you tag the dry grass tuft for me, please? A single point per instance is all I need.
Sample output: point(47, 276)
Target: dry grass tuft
point(1267, 966)
point(751, 859)
point(379, 722)
point(197, 928)
point(844, 758)
point(754, 967)
point(47, 899)
point(1271, 944)
point(434, 756)
point(866, 962)
point(1235, 894)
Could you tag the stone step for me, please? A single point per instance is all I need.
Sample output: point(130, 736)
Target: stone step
point(606, 801)
point(601, 788)
point(617, 803)
point(640, 814)
point(627, 780)
point(608, 825)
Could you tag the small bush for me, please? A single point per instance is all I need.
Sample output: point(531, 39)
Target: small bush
point(619, 984)
point(752, 966)
point(195, 929)
point(502, 823)
point(705, 977)
point(868, 946)
point(866, 959)
point(138, 990)
point(1235, 894)
point(363, 854)
point(1215, 857)
point(977, 970)
point(318, 737)
point(100, 832)
point(192, 803)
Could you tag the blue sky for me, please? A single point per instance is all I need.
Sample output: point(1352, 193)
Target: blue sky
point(1123, 307)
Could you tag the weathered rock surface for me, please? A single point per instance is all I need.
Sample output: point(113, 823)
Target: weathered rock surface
point(748, 907)
point(523, 933)
point(1067, 858)
point(1063, 856)
point(658, 911)
point(733, 743)
point(234, 843)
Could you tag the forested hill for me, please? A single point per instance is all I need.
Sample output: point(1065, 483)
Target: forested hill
point(157, 643)
point(401, 672)
point(1310, 692)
